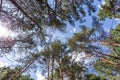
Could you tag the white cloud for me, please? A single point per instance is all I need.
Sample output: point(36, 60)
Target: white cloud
point(107, 30)
point(118, 20)
point(39, 76)
point(74, 30)
point(99, 6)
point(103, 2)
point(2, 64)
point(82, 57)
point(79, 56)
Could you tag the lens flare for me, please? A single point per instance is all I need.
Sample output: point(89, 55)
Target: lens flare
point(4, 32)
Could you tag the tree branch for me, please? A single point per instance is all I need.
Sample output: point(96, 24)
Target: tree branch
point(18, 7)
point(109, 44)
point(111, 62)
point(1, 5)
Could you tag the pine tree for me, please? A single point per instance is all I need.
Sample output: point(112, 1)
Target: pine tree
point(6, 73)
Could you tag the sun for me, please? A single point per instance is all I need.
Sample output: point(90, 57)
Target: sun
point(4, 32)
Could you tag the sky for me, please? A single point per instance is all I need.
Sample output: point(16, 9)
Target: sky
point(70, 30)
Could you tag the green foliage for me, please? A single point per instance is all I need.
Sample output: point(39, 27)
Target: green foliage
point(115, 35)
point(70, 70)
point(81, 39)
point(105, 67)
point(109, 10)
point(36, 16)
point(52, 55)
point(93, 77)
point(117, 48)
point(41, 12)
point(23, 77)
point(118, 27)
point(56, 55)
point(110, 66)
point(6, 73)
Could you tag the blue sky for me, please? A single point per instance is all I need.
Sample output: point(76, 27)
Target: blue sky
point(107, 24)
point(70, 30)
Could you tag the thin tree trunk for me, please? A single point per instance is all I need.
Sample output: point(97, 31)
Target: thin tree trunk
point(48, 70)
point(23, 69)
point(52, 68)
point(60, 70)
point(1, 2)
point(19, 72)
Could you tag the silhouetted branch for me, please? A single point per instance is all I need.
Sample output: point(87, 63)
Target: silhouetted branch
point(19, 7)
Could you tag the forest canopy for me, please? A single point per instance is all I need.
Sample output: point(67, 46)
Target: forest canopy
point(60, 39)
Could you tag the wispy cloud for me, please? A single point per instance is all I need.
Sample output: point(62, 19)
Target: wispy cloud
point(39, 76)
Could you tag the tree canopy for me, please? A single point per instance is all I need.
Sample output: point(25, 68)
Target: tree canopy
point(34, 24)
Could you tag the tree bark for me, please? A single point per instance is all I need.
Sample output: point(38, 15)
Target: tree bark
point(48, 70)
point(60, 70)
point(52, 68)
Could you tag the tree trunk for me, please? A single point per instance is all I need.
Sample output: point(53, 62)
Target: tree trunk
point(48, 69)
point(52, 68)
point(60, 70)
